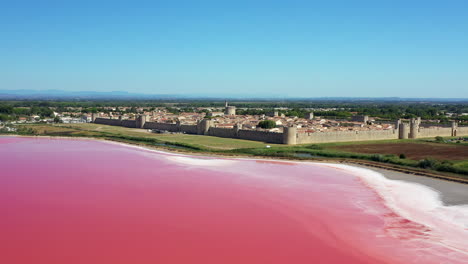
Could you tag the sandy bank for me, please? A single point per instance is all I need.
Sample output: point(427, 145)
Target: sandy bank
point(452, 193)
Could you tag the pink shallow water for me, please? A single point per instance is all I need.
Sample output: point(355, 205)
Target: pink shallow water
point(82, 201)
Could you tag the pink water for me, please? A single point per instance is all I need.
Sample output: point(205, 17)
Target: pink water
point(83, 201)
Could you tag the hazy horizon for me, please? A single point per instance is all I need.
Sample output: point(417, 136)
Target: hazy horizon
point(30, 94)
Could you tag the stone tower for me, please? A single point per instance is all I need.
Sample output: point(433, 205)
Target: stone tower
point(141, 120)
point(403, 131)
point(290, 135)
point(309, 116)
point(94, 116)
point(229, 110)
point(365, 119)
point(203, 126)
point(414, 128)
point(454, 128)
point(397, 124)
point(237, 127)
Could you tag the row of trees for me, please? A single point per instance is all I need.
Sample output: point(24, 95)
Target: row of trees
point(9, 112)
point(387, 110)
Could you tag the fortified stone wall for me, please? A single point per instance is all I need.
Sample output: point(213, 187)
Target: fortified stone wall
point(129, 123)
point(343, 136)
point(434, 132)
point(462, 131)
point(189, 129)
point(106, 121)
point(265, 136)
point(116, 122)
point(222, 132)
point(432, 125)
point(161, 126)
point(291, 136)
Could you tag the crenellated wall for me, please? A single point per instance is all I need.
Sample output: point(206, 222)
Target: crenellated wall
point(425, 132)
point(189, 129)
point(107, 121)
point(265, 136)
point(462, 131)
point(222, 132)
point(129, 123)
point(162, 126)
point(343, 136)
point(115, 122)
point(205, 127)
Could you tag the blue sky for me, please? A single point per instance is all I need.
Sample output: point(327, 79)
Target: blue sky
point(287, 48)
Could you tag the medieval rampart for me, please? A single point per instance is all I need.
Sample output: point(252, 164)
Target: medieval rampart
point(128, 123)
point(343, 136)
point(205, 127)
point(425, 132)
point(462, 131)
point(222, 132)
point(161, 126)
point(189, 129)
point(265, 136)
point(115, 122)
point(106, 121)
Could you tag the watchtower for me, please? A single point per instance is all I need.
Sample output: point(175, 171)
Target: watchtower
point(397, 124)
point(414, 128)
point(403, 131)
point(290, 135)
point(203, 126)
point(237, 127)
point(454, 128)
point(229, 110)
point(141, 120)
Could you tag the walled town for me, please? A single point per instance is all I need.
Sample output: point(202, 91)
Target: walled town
point(286, 130)
point(269, 124)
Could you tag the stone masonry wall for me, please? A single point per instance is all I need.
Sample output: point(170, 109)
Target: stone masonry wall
point(303, 138)
point(161, 126)
point(222, 132)
point(189, 129)
point(265, 136)
point(434, 132)
point(343, 136)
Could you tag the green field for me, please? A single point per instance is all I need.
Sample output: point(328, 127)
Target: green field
point(197, 140)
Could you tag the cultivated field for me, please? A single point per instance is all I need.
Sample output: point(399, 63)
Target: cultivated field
point(412, 150)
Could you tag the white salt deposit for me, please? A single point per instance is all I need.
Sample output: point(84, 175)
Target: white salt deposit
point(416, 202)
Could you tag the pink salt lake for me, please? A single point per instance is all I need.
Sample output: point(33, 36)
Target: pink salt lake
point(85, 201)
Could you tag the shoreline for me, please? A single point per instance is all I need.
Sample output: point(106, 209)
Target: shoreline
point(451, 192)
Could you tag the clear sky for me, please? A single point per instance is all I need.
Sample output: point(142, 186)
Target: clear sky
point(374, 48)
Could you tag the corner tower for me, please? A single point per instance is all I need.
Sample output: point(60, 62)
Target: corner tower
point(290, 135)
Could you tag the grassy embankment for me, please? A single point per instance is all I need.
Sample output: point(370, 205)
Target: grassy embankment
point(420, 155)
